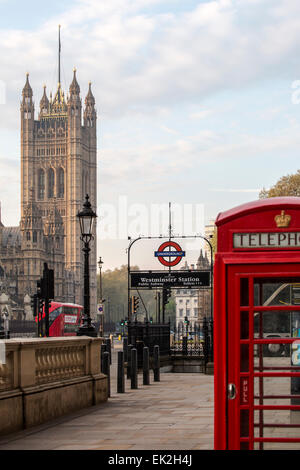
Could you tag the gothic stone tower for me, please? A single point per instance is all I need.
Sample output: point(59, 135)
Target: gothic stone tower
point(58, 168)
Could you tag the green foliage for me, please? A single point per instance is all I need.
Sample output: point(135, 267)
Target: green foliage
point(288, 185)
point(114, 290)
point(170, 311)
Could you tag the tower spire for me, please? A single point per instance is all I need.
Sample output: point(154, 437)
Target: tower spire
point(59, 50)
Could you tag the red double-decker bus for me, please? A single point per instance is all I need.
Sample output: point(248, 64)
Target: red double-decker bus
point(64, 318)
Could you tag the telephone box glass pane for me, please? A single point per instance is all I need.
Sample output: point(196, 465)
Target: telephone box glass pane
point(276, 291)
point(244, 292)
point(244, 325)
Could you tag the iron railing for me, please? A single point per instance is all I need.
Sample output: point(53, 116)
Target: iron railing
point(22, 328)
point(193, 340)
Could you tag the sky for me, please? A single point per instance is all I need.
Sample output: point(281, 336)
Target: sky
point(198, 103)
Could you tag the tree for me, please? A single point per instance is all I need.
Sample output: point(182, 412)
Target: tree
point(288, 185)
point(114, 289)
point(170, 312)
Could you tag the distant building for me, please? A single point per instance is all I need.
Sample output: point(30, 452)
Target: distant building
point(58, 168)
point(194, 304)
point(208, 233)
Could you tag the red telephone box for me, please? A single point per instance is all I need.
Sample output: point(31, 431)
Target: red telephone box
point(257, 326)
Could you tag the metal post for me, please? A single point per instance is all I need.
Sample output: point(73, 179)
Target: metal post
point(184, 346)
point(134, 378)
point(146, 380)
point(103, 350)
point(129, 348)
point(125, 349)
point(106, 369)
point(86, 291)
point(121, 382)
point(101, 329)
point(205, 336)
point(156, 364)
point(38, 322)
point(108, 348)
point(87, 328)
point(45, 284)
point(158, 306)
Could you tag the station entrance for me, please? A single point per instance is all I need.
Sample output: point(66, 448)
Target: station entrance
point(257, 327)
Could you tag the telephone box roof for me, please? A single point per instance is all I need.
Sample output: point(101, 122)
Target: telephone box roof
point(257, 206)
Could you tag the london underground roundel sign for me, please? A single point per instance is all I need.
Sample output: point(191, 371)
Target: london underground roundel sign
point(165, 251)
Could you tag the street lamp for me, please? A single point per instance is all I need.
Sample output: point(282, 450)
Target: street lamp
point(86, 220)
point(100, 262)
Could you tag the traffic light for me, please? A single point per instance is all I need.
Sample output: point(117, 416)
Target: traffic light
point(151, 320)
point(134, 303)
point(47, 283)
point(39, 288)
point(40, 304)
point(166, 294)
point(186, 321)
point(34, 304)
point(122, 322)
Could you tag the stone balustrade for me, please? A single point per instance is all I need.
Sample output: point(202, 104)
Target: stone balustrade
point(44, 378)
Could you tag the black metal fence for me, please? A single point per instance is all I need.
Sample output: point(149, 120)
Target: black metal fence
point(189, 340)
point(22, 328)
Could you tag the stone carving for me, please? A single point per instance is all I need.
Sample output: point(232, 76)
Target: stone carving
point(59, 363)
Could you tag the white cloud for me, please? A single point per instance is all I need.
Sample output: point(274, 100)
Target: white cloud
point(201, 114)
point(138, 59)
point(143, 64)
point(169, 130)
point(143, 169)
point(234, 190)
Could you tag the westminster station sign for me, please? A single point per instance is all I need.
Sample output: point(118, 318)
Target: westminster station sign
point(266, 240)
point(152, 280)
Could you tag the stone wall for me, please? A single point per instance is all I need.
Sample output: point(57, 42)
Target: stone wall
point(44, 378)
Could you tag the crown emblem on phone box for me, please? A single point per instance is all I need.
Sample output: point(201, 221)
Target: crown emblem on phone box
point(282, 220)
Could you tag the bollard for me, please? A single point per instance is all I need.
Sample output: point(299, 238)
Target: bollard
point(121, 382)
point(156, 364)
point(125, 346)
point(108, 348)
point(106, 369)
point(103, 349)
point(185, 345)
point(133, 369)
point(146, 380)
point(129, 348)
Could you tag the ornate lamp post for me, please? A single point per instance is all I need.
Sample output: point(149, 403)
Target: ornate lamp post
point(100, 262)
point(86, 219)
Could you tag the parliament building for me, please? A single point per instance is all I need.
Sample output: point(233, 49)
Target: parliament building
point(58, 168)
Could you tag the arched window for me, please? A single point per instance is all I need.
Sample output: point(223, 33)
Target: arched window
point(41, 184)
point(50, 183)
point(61, 183)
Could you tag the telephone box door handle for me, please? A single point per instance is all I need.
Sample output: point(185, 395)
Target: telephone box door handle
point(231, 391)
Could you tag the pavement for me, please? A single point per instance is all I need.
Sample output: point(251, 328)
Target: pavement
point(173, 414)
